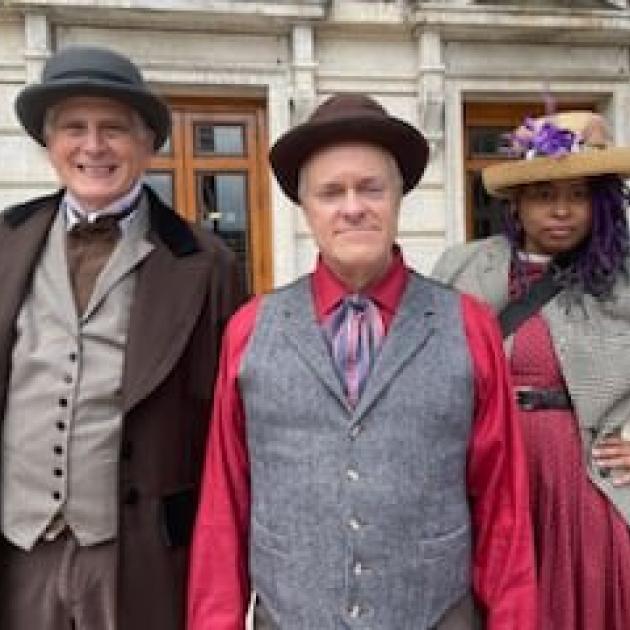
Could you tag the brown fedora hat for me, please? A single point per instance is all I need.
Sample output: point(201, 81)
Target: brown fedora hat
point(91, 71)
point(348, 117)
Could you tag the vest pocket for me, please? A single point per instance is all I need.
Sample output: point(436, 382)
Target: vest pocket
point(447, 569)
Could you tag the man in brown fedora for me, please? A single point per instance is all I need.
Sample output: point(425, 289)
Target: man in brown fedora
point(364, 469)
point(110, 320)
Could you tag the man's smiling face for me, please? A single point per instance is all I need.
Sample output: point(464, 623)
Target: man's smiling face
point(99, 148)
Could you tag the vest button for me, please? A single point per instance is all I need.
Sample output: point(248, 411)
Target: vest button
point(58, 472)
point(131, 497)
point(63, 402)
point(56, 495)
point(61, 425)
point(355, 611)
point(67, 378)
point(57, 449)
point(72, 356)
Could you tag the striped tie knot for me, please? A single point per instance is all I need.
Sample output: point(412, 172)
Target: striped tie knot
point(355, 332)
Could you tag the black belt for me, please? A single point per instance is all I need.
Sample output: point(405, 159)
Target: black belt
point(535, 399)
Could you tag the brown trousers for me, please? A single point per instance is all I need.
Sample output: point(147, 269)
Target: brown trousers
point(58, 585)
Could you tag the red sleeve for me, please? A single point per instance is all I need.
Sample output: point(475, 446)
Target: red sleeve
point(503, 555)
point(219, 590)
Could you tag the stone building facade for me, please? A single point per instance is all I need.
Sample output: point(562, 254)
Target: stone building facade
point(238, 73)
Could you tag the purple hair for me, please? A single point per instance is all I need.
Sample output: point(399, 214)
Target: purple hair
point(601, 258)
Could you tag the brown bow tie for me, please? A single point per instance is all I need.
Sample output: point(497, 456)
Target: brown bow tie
point(89, 246)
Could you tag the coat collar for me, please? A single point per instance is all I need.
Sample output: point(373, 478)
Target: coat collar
point(171, 289)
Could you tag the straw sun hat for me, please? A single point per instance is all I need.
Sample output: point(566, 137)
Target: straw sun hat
point(558, 146)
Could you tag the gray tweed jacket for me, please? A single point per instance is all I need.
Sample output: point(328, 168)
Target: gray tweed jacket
point(592, 343)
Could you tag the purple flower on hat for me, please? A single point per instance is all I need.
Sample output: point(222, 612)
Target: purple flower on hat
point(547, 139)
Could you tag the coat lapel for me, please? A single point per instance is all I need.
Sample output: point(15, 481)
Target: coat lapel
point(409, 332)
point(304, 334)
point(493, 273)
point(132, 249)
point(170, 291)
point(23, 232)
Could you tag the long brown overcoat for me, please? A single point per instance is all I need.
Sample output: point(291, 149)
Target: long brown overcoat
point(186, 290)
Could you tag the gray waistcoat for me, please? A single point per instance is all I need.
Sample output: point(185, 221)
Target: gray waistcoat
point(359, 517)
point(61, 433)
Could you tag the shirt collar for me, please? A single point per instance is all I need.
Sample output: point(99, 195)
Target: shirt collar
point(329, 290)
point(75, 213)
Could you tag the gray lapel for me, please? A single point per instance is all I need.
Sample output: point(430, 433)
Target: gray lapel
point(493, 274)
point(304, 334)
point(132, 249)
point(412, 326)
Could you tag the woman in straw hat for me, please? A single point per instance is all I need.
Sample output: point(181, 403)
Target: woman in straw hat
point(562, 265)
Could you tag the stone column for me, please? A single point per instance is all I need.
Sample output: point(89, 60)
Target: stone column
point(303, 66)
point(37, 42)
point(431, 73)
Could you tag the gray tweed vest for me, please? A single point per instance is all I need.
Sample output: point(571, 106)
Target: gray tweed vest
point(359, 516)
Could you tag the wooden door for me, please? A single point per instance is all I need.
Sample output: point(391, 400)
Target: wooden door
point(213, 171)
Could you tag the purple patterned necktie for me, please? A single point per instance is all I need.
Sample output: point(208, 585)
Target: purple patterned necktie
point(355, 333)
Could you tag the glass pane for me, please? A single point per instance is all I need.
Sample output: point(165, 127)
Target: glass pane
point(162, 184)
point(487, 211)
point(488, 141)
point(222, 203)
point(219, 139)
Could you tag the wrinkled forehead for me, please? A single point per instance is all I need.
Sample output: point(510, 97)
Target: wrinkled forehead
point(362, 159)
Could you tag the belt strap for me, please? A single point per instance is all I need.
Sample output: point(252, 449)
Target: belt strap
point(534, 399)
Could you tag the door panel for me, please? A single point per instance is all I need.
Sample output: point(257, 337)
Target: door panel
point(214, 171)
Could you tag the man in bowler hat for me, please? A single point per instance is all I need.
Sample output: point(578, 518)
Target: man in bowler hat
point(110, 320)
point(365, 469)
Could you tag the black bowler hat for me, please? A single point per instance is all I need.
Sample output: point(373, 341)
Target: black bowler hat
point(91, 71)
point(348, 117)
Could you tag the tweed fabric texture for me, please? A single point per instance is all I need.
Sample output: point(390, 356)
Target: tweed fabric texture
point(359, 514)
point(591, 343)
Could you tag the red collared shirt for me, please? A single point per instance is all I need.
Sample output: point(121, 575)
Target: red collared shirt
point(503, 557)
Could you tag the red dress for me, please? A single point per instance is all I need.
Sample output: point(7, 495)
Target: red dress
point(582, 543)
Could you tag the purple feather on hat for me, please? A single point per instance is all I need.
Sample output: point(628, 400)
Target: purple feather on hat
point(546, 139)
